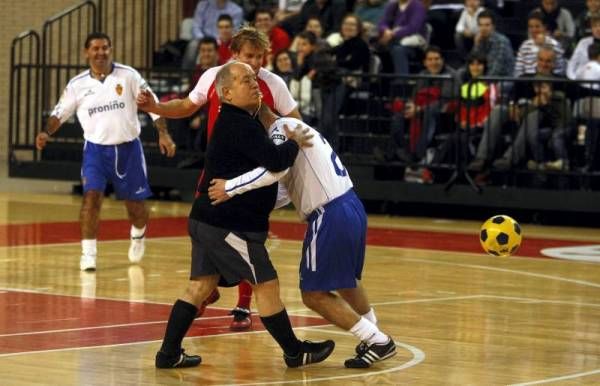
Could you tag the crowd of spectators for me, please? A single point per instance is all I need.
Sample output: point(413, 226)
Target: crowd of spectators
point(320, 47)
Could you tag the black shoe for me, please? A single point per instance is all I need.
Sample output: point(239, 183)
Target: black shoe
point(374, 353)
point(361, 348)
point(164, 361)
point(241, 319)
point(310, 352)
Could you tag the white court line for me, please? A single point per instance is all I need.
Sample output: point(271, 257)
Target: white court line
point(565, 377)
point(506, 270)
point(418, 357)
point(104, 327)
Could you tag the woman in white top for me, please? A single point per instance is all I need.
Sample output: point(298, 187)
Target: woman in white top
point(467, 26)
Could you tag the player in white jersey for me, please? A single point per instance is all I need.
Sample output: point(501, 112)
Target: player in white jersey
point(104, 98)
point(333, 253)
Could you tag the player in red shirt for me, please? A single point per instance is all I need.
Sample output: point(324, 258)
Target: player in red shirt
point(249, 46)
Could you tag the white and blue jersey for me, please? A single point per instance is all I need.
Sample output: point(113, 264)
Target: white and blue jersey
point(320, 188)
point(107, 112)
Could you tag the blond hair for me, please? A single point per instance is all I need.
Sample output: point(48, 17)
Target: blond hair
point(248, 34)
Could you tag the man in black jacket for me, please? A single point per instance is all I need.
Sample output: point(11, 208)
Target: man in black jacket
point(228, 240)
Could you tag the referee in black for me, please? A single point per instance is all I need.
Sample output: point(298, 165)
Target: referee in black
point(228, 240)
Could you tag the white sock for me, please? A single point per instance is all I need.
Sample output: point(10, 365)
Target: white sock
point(368, 332)
point(88, 247)
point(370, 316)
point(137, 232)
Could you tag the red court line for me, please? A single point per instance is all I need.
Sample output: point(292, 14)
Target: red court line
point(45, 314)
point(64, 232)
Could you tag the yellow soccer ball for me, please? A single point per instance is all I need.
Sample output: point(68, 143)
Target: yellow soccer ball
point(500, 236)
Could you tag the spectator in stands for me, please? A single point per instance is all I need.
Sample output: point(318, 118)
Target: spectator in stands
point(495, 46)
point(467, 26)
point(513, 112)
point(546, 125)
point(588, 108)
point(312, 25)
point(402, 30)
point(301, 85)
point(225, 34)
point(432, 98)
point(284, 66)
point(558, 21)
point(529, 97)
point(280, 40)
point(352, 56)
point(583, 27)
point(329, 12)
point(205, 24)
point(538, 36)
point(580, 55)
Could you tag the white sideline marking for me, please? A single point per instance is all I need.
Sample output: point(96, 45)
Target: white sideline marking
point(565, 377)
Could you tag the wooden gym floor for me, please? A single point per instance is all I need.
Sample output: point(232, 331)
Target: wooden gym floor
point(458, 316)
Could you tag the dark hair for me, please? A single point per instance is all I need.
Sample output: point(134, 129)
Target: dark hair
point(359, 24)
point(593, 51)
point(264, 10)
point(225, 16)
point(434, 49)
point(208, 40)
point(488, 14)
point(475, 57)
point(94, 36)
point(307, 35)
point(536, 15)
point(277, 55)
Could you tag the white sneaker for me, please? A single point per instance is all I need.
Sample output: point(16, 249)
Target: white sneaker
point(136, 249)
point(87, 263)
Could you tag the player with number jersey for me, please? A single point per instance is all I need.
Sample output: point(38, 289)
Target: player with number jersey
point(334, 245)
point(104, 99)
point(248, 46)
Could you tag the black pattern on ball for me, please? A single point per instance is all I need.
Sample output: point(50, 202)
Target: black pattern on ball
point(502, 238)
point(517, 229)
point(484, 235)
point(498, 220)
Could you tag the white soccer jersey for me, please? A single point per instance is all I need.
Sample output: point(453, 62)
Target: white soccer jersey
point(316, 178)
point(106, 110)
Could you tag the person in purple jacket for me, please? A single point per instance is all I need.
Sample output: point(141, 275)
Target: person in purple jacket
point(402, 30)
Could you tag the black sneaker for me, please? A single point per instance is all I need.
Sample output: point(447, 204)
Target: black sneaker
point(373, 353)
point(310, 352)
point(164, 361)
point(361, 348)
point(241, 319)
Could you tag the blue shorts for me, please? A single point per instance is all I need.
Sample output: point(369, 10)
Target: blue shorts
point(124, 165)
point(333, 252)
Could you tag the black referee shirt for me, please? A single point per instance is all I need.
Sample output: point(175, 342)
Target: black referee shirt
point(239, 143)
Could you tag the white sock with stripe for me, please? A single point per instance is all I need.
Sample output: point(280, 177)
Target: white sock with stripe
point(137, 232)
point(368, 332)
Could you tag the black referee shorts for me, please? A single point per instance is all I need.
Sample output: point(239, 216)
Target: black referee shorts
point(236, 256)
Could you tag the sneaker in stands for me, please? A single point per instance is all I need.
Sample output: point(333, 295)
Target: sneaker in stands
point(87, 263)
point(137, 248)
point(502, 164)
point(371, 354)
point(310, 352)
point(476, 165)
point(164, 361)
point(241, 319)
point(212, 298)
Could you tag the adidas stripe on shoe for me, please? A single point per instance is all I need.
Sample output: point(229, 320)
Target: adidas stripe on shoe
point(310, 352)
point(368, 355)
point(164, 361)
